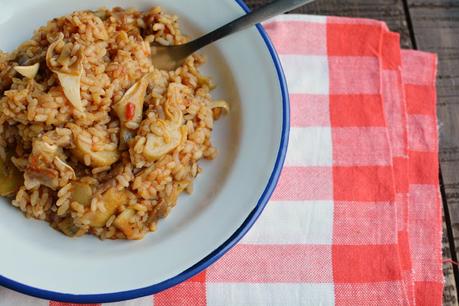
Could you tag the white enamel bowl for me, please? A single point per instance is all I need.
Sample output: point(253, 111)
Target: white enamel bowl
point(228, 196)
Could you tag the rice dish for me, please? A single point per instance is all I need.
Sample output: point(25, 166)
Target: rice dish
point(93, 138)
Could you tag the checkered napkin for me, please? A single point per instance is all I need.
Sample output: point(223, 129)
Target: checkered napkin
point(355, 218)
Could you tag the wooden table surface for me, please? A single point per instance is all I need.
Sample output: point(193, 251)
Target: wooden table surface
point(427, 25)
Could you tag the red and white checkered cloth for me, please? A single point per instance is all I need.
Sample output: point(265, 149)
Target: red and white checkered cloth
point(356, 216)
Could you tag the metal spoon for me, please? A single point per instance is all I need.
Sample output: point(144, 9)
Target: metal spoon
point(171, 57)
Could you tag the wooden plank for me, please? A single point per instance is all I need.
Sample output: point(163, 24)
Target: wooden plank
point(435, 24)
point(393, 13)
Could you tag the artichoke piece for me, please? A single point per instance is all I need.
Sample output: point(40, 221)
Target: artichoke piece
point(123, 223)
point(112, 199)
point(66, 60)
point(71, 87)
point(28, 71)
point(81, 193)
point(45, 166)
point(63, 166)
point(98, 158)
point(129, 109)
point(11, 179)
point(157, 146)
point(173, 135)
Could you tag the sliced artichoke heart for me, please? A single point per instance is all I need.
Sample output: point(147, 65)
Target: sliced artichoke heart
point(130, 108)
point(157, 146)
point(28, 71)
point(45, 166)
point(136, 96)
point(71, 86)
point(63, 165)
point(69, 77)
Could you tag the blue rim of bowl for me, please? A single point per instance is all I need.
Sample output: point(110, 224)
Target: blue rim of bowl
point(217, 253)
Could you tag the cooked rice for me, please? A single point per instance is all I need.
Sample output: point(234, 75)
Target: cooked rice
point(117, 189)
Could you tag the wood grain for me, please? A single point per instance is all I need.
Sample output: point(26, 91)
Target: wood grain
point(430, 26)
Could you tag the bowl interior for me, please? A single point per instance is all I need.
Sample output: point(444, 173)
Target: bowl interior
point(229, 188)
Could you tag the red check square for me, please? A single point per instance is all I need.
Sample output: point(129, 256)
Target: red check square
point(390, 51)
point(368, 263)
point(423, 168)
point(365, 38)
point(357, 183)
point(356, 110)
point(428, 293)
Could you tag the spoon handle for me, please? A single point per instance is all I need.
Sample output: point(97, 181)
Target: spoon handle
point(270, 10)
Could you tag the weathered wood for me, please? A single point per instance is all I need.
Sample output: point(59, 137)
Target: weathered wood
point(432, 29)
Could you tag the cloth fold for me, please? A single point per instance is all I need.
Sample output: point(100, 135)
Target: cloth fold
point(356, 216)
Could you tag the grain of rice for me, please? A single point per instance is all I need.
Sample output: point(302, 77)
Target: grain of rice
point(87, 160)
point(41, 118)
point(77, 207)
point(163, 41)
point(100, 169)
point(110, 221)
point(61, 201)
point(101, 206)
point(64, 190)
point(94, 204)
point(63, 209)
point(122, 180)
point(158, 27)
point(85, 138)
point(132, 125)
point(34, 198)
